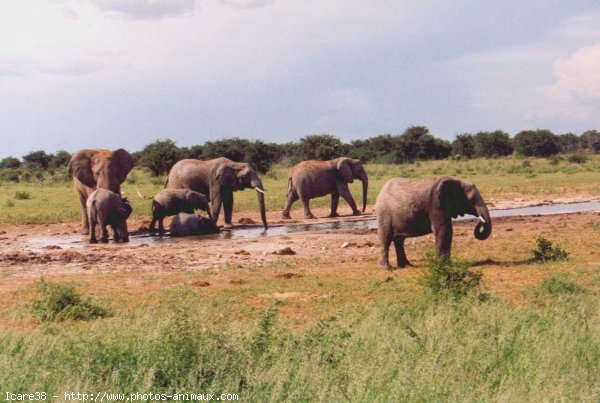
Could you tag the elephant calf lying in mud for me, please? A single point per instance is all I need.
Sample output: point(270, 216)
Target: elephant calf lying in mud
point(108, 208)
point(410, 208)
point(185, 224)
point(169, 202)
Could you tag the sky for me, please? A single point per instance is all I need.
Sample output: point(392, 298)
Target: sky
point(124, 73)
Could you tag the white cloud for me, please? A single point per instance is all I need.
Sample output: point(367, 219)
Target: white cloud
point(575, 93)
point(248, 3)
point(346, 106)
point(146, 9)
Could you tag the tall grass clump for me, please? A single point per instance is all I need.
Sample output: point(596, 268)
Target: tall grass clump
point(557, 285)
point(547, 252)
point(450, 277)
point(22, 195)
point(61, 302)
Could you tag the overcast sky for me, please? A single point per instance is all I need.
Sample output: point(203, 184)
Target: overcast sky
point(123, 73)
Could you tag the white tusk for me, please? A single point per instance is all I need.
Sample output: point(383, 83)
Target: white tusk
point(481, 219)
point(259, 190)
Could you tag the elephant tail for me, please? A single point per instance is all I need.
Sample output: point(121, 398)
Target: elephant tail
point(166, 183)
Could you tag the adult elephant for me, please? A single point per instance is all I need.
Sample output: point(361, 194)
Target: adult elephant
point(310, 179)
point(218, 179)
point(98, 168)
point(410, 208)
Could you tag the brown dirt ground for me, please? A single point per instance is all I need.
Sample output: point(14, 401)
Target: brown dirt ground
point(223, 265)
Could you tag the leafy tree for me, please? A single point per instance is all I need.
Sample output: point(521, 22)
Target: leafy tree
point(232, 148)
point(536, 143)
point(10, 162)
point(569, 143)
point(320, 147)
point(493, 144)
point(261, 155)
point(195, 152)
point(591, 141)
point(159, 156)
point(60, 159)
point(464, 145)
point(37, 159)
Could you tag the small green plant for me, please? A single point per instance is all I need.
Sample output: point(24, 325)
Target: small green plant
point(454, 278)
point(554, 159)
point(60, 302)
point(577, 159)
point(546, 252)
point(22, 195)
point(9, 203)
point(555, 285)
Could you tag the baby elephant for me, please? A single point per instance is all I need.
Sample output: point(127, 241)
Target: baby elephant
point(184, 224)
point(169, 202)
point(108, 208)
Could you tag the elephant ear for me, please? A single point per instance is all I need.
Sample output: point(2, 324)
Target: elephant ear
point(452, 199)
point(124, 161)
point(226, 176)
point(344, 167)
point(80, 167)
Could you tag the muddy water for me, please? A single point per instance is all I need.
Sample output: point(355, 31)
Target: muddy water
point(245, 232)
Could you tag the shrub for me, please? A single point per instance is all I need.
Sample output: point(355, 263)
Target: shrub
point(159, 156)
point(493, 144)
point(577, 159)
point(10, 162)
point(545, 251)
point(9, 175)
point(464, 145)
point(536, 143)
point(555, 285)
point(9, 203)
point(37, 159)
point(22, 195)
point(453, 278)
point(320, 147)
point(555, 159)
point(60, 302)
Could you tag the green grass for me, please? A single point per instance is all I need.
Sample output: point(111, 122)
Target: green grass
point(398, 348)
point(497, 179)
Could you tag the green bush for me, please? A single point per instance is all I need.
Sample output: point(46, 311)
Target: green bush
point(9, 203)
point(60, 302)
point(22, 195)
point(555, 285)
point(546, 252)
point(577, 159)
point(9, 175)
point(453, 278)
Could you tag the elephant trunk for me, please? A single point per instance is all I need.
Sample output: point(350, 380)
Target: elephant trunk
point(483, 229)
point(365, 186)
point(260, 193)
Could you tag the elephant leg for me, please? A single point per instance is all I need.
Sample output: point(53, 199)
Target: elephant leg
point(385, 239)
point(345, 193)
point(152, 228)
point(115, 231)
point(228, 207)
point(85, 225)
point(292, 196)
point(124, 235)
point(104, 237)
point(215, 202)
point(443, 239)
point(335, 199)
point(307, 212)
point(92, 230)
point(400, 254)
point(161, 227)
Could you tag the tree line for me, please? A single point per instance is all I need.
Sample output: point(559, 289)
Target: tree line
point(415, 143)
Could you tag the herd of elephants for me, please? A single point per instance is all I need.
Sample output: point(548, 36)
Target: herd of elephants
point(404, 207)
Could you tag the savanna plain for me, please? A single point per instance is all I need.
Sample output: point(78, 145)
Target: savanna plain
point(513, 318)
